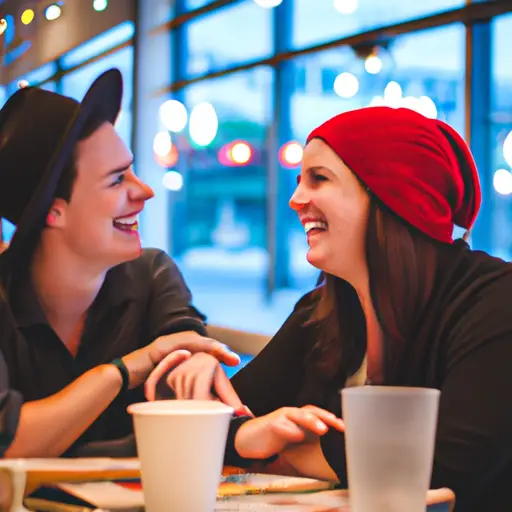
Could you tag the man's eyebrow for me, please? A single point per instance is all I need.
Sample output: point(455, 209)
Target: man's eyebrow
point(120, 169)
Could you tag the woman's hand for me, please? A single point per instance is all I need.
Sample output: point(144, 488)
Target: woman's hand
point(193, 377)
point(269, 435)
point(141, 362)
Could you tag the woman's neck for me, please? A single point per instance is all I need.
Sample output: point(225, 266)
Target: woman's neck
point(374, 335)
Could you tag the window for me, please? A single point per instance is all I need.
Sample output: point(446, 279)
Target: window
point(99, 44)
point(424, 70)
point(190, 5)
point(225, 37)
point(40, 74)
point(501, 137)
point(219, 216)
point(322, 20)
point(76, 83)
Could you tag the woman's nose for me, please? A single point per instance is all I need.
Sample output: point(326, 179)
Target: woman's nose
point(299, 199)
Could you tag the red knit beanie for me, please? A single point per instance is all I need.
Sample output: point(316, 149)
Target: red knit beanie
point(418, 167)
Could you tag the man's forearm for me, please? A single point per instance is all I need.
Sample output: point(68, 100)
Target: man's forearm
point(48, 427)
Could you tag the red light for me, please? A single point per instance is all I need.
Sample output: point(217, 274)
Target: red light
point(236, 153)
point(290, 154)
point(168, 160)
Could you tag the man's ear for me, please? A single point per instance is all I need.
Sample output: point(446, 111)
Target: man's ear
point(56, 215)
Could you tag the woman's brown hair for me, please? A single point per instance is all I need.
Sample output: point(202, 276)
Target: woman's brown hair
point(402, 265)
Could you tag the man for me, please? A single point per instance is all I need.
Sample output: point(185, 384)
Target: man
point(94, 313)
point(10, 400)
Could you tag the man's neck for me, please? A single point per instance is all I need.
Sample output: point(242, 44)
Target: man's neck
point(65, 284)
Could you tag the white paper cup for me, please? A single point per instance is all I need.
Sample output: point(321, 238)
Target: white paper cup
point(181, 445)
point(390, 437)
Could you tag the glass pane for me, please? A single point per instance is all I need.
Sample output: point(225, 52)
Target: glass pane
point(49, 86)
point(195, 4)
point(99, 44)
point(40, 74)
point(224, 37)
point(219, 216)
point(424, 70)
point(322, 20)
point(76, 83)
point(6, 230)
point(501, 126)
point(3, 96)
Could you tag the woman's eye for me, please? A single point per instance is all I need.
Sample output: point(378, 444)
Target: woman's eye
point(319, 177)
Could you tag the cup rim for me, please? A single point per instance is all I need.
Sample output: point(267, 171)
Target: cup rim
point(390, 391)
point(179, 408)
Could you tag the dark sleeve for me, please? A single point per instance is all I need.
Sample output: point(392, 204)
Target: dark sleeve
point(170, 305)
point(473, 454)
point(274, 377)
point(10, 400)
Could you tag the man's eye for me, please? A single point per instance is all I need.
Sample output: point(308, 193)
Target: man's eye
point(118, 180)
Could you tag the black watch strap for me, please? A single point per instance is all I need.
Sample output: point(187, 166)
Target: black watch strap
point(125, 374)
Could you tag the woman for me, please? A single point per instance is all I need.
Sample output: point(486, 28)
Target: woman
point(400, 303)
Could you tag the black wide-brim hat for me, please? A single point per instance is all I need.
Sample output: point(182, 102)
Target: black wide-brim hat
point(39, 131)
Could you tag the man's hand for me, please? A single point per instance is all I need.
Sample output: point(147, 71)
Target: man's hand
point(193, 377)
point(142, 362)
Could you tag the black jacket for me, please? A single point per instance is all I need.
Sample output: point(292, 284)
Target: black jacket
point(462, 346)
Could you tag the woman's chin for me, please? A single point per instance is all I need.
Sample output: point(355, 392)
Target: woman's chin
point(315, 258)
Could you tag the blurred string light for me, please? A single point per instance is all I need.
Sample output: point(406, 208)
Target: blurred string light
point(3, 26)
point(173, 115)
point(268, 4)
point(203, 124)
point(99, 5)
point(507, 149)
point(52, 12)
point(237, 153)
point(345, 6)
point(172, 180)
point(162, 143)
point(27, 16)
point(393, 97)
point(290, 154)
point(346, 85)
point(502, 182)
point(373, 64)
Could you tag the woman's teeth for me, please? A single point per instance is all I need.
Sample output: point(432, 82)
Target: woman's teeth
point(317, 224)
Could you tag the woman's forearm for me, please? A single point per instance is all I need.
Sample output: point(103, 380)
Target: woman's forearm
point(48, 427)
point(308, 460)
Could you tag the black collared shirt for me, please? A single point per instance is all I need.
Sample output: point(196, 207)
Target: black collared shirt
point(138, 302)
point(10, 400)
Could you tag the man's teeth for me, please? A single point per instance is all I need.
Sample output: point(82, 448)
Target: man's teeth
point(317, 224)
point(127, 220)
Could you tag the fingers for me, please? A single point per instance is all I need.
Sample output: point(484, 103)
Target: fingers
point(226, 392)
point(306, 420)
point(288, 430)
point(194, 343)
point(170, 361)
point(224, 354)
point(198, 377)
point(326, 417)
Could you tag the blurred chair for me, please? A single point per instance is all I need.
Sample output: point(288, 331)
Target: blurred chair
point(242, 342)
point(245, 344)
